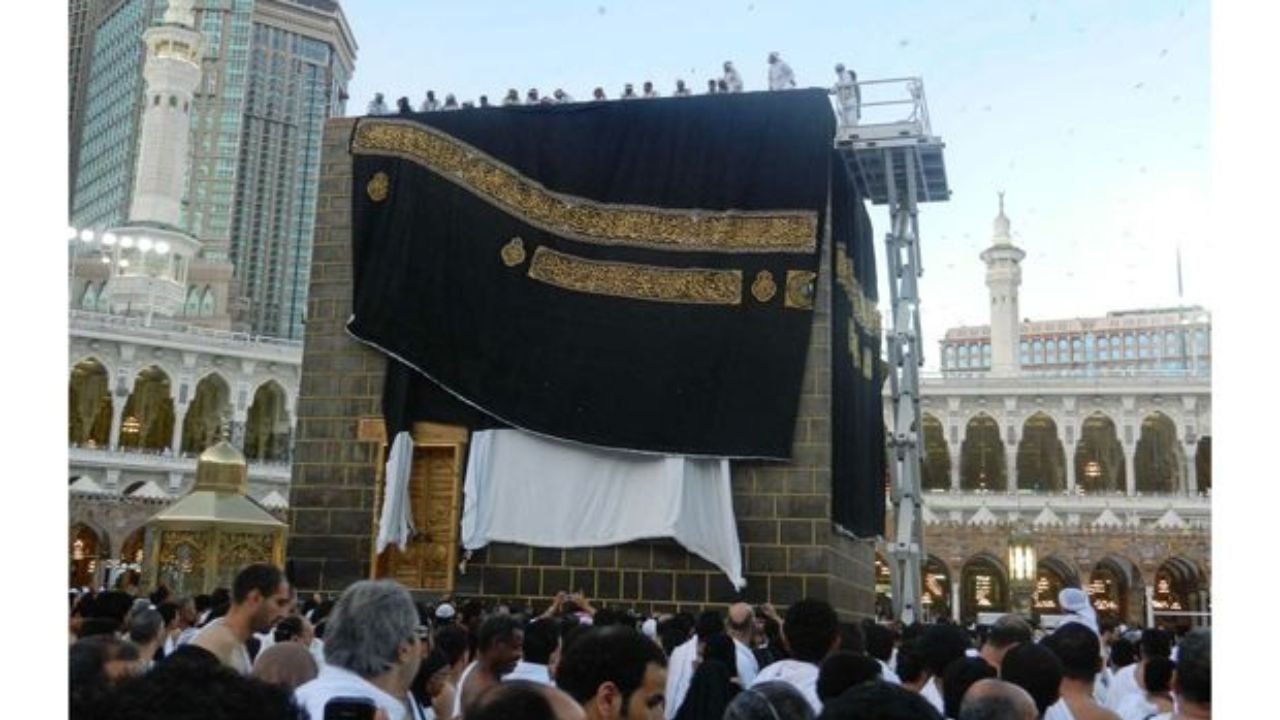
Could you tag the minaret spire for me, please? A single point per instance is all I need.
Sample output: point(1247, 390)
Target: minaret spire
point(1004, 276)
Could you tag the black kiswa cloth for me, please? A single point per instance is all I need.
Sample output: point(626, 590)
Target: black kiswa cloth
point(858, 470)
point(633, 275)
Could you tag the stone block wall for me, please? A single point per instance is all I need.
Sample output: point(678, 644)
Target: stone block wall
point(789, 547)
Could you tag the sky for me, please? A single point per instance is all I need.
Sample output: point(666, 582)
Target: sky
point(1091, 115)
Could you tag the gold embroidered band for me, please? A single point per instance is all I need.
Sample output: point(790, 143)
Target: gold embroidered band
point(864, 310)
point(638, 282)
point(689, 230)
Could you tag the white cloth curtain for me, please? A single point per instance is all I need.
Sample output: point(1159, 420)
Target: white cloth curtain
point(396, 522)
point(526, 489)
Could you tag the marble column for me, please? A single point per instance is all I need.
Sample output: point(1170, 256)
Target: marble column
point(1189, 468)
point(237, 429)
point(1069, 454)
point(955, 467)
point(117, 418)
point(955, 600)
point(1011, 467)
point(1131, 475)
point(179, 416)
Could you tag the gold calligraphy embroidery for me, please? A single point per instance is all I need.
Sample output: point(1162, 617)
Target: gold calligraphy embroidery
point(764, 288)
point(513, 252)
point(379, 187)
point(800, 289)
point(688, 230)
point(638, 282)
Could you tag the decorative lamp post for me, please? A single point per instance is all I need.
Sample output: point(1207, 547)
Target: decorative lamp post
point(1022, 570)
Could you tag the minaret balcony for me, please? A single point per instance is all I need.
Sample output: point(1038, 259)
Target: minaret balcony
point(145, 294)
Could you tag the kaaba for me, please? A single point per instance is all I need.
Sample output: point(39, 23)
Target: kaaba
point(516, 313)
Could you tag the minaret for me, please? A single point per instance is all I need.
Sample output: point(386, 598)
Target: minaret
point(148, 259)
point(1004, 275)
point(172, 74)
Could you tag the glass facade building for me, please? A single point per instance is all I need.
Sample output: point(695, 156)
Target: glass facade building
point(102, 181)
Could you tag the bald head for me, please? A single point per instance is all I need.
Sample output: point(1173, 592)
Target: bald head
point(525, 699)
point(992, 699)
point(740, 621)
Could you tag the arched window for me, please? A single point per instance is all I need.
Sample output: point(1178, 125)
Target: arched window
point(1037, 352)
point(192, 307)
point(1041, 459)
point(936, 460)
point(1171, 346)
point(1158, 457)
point(89, 298)
point(1077, 349)
point(1026, 352)
point(207, 301)
point(1051, 356)
point(104, 299)
point(986, 354)
point(1157, 343)
point(949, 357)
point(964, 356)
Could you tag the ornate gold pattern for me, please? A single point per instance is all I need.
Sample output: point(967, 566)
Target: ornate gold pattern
point(800, 289)
point(764, 288)
point(690, 230)
point(239, 549)
point(638, 282)
point(513, 252)
point(864, 310)
point(379, 187)
point(181, 559)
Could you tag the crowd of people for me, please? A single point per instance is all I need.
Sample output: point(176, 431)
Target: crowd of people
point(780, 77)
point(255, 650)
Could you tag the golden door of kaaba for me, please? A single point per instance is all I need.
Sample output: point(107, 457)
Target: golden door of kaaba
point(435, 489)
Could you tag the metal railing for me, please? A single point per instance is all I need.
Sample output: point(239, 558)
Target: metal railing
point(162, 328)
point(164, 460)
point(1095, 374)
point(914, 103)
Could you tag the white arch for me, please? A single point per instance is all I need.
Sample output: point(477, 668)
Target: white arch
point(85, 357)
point(287, 402)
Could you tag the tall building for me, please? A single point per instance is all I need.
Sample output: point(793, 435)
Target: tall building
point(271, 72)
point(107, 134)
point(1092, 444)
point(82, 19)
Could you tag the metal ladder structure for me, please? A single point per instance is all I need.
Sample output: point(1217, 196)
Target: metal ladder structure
point(898, 162)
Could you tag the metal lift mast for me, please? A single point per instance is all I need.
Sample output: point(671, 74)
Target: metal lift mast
point(898, 162)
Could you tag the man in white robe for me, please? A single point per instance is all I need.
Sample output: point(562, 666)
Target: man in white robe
point(731, 77)
point(377, 106)
point(847, 92)
point(780, 75)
